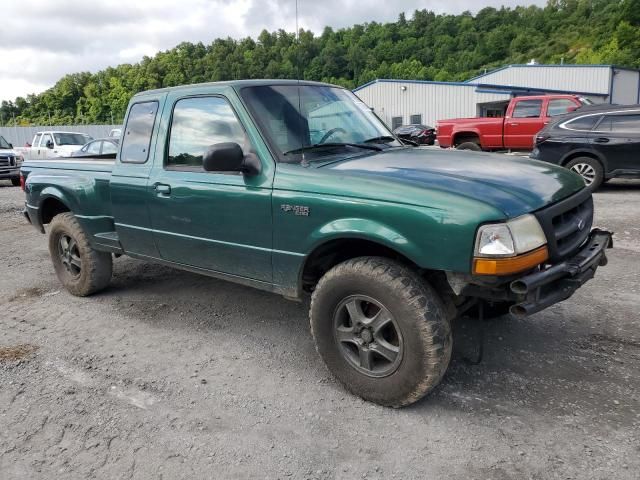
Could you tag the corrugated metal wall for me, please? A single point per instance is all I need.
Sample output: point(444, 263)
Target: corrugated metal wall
point(19, 136)
point(434, 101)
point(587, 79)
point(626, 87)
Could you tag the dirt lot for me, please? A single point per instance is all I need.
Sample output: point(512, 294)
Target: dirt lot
point(172, 375)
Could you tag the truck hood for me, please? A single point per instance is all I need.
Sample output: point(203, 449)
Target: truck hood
point(513, 185)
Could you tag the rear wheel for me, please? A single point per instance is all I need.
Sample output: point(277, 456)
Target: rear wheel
point(81, 269)
point(469, 146)
point(15, 181)
point(589, 169)
point(381, 330)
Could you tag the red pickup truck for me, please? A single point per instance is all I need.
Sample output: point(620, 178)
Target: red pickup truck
point(524, 118)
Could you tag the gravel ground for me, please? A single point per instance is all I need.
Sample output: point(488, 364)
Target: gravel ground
point(171, 375)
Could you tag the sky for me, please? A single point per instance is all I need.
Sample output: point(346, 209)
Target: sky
point(43, 40)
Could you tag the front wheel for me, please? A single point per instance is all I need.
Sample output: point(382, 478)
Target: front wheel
point(381, 330)
point(15, 181)
point(589, 169)
point(81, 269)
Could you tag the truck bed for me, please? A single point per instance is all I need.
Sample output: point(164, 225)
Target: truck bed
point(80, 184)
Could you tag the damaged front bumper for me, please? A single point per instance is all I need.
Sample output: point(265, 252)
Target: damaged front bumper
point(551, 284)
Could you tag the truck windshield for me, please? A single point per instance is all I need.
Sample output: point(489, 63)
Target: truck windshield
point(315, 121)
point(71, 138)
point(4, 143)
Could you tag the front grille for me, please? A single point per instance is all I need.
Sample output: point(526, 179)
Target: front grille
point(6, 161)
point(567, 224)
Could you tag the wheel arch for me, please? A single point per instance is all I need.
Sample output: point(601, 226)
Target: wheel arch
point(333, 251)
point(585, 153)
point(467, 135)
point(50, 206)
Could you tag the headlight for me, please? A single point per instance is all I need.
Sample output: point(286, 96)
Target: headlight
point(509, 247)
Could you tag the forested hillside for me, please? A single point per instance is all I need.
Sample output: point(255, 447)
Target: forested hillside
point(426, 46)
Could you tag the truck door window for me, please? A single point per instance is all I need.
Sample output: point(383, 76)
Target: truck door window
point(45, 138)
point(36, 140)
point(137, 132)
point(198, 123)
point(560, 106)
point(527, 109)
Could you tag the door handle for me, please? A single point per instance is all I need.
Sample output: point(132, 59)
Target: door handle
point(601, 140)
point(162, 189)
point(514, 124)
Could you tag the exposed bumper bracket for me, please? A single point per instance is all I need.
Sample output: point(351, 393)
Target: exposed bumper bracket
point(557, 283)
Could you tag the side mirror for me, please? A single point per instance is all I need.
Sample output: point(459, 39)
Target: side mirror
point(49, 144)
point(10, 145)
point(229, 157)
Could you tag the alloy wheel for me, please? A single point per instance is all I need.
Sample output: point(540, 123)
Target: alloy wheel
point(368, 336)
point(70, 255)
point(586, 171)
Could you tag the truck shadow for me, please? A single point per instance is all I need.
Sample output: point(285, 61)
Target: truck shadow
point(534, 365)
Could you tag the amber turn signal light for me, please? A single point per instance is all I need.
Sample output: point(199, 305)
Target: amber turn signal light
point(509, 265)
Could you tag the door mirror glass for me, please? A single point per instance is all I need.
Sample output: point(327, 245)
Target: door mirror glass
point(223, 157)
point(49, 144)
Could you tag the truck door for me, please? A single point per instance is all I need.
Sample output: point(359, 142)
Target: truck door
point(218, 221)
point(44, 152)
point(522, 125)
point(32, 151)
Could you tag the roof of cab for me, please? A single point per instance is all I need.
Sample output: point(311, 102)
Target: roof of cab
point(237, 84)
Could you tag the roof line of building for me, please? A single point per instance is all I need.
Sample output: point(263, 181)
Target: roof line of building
point(482, 87)
point(552, 65)
point(396, 80)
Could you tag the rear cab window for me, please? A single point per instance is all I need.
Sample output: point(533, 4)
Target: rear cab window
point(560, 106)
point(136, 138)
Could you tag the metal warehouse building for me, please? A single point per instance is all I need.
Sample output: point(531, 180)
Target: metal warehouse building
point(400, 102)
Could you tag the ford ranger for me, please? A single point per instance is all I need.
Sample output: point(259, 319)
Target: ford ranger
point(299, 189)
point(524, 118)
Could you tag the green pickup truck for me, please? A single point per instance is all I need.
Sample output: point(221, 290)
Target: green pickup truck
point(299, 189)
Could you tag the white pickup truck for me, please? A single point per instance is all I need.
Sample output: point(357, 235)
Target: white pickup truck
point(52, 144)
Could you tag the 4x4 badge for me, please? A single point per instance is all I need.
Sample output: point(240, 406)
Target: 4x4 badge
point(296, 209)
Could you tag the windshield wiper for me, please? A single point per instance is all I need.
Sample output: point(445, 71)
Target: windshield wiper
point(319, 146)
point(382, 139)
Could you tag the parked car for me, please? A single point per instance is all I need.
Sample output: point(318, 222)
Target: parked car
point(598, 143)
point(391, 242)
point(524, 118)
point(115, 132)
point(420, 134)
point(101, 146)
point(10, 162)
point(53, 144)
